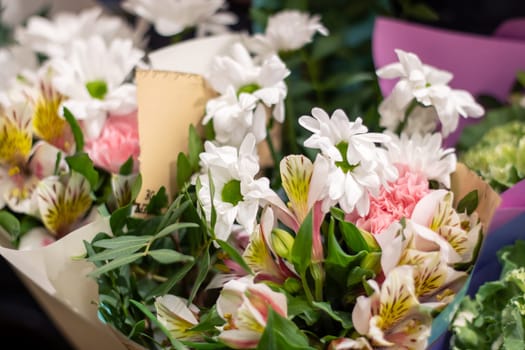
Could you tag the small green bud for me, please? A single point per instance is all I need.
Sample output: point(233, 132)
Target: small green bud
point(282, 243)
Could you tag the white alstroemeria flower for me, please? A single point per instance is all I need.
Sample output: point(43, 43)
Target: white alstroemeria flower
point(249, 81)
point(287, 30)
point(54, 37)
point(15, 61)
point(232, 173)
point(436, 212)
point(93, 78)
point(174, 314)
point(433, 274)
point(358, 167)
point(424, 155)
point(350, 344)
point(245, 307)
point(391, 316)
point(425, 85)
point(173, 16)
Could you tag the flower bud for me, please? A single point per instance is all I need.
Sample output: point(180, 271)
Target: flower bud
point(282, 243)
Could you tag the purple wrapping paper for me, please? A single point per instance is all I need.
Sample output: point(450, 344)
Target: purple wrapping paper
point(481, 65)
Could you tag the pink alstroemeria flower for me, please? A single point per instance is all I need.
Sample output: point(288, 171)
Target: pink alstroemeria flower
point(245, 306)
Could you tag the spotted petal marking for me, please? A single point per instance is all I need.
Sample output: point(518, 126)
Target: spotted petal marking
point(15, 140)
point(63, 206)
point(445, 214)
point(430, 271)
point(48, 125)
point(397, 297)
point(258, 256)
point(296, 174)
point(121, 186)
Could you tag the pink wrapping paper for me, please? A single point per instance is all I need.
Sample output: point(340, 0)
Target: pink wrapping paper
point(480, 64)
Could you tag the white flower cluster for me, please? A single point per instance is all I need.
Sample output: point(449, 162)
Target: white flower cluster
point(422, 97)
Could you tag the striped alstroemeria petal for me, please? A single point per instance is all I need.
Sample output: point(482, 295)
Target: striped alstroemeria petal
point(62, 206)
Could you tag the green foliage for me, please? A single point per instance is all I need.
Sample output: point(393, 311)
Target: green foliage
point(495, 315)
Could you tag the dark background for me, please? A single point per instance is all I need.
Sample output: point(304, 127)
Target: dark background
point(24, 323)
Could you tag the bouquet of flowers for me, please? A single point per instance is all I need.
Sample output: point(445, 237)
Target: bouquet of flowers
point(356, 240)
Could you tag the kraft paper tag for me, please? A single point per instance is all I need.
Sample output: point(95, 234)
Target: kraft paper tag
point(464, 180)
point(168, 102)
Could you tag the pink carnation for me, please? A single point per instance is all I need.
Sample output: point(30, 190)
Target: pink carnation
point(118, 141)
point(395, 203)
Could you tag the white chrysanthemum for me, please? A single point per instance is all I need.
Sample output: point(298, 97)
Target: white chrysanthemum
point(423, 154)
point(358, 166)
point(93, 78)
point(425, 85)
point(54, 37)
point(255, 86)
point(236, 191)
point(173, 16)
point(456, 103)
point(233, 117)
point(15, 61)
point(287, 30)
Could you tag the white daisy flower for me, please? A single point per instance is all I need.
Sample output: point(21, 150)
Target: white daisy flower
point(456, 103)
point(358, 167)
point(264, 83)
point(287, 30)
point(236, 191)
point(173, 16)
point(424, 155)
point(427, 86)
point(54, 37)
point(15, 61)
point(93, 78)
point(233, 117)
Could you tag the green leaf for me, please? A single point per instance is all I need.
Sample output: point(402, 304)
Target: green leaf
point(336, 256)
point(122, 241)
point(157, 202)
point(118, 219)
point(205, 346)
point(203, 268)
point(356, 239)
point(174, 342)
point(75, 128)
point(344, 318)
point(165, 287)
point(136, 186)
point(512, 324)
point(184, 170)
point(281, 333)
point(127, 167)
point(174, 227)
point(469, 203)
point(357, 275)
point(117, 252)
point(234, 255)
point(138, 328)
point(115, 264)
point(208, 321)
point(169, 256)
point(9, 223)
point(82, 164)
point(302, 247)
point(195, 148)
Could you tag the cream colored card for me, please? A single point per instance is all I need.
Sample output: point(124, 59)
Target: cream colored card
point(168, 102)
